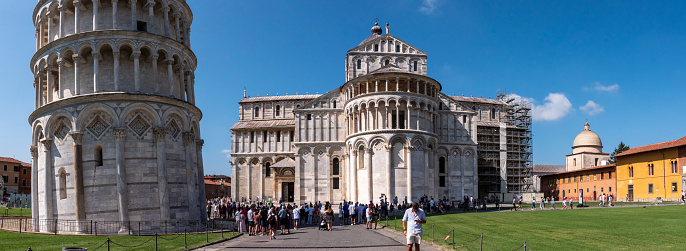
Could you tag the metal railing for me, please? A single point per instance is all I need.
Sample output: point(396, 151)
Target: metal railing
point(93, 227)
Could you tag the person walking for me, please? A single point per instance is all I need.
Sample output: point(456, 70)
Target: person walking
point(564, 203)
point(533, 202)
point(552, 202)
point(328, 215)
point(514, 203)
point(520, 201)
point(412, 226)
point(351, 208)
point(296, 217)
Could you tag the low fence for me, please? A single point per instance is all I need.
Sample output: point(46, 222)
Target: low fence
point(92, 227)
point(449, 237)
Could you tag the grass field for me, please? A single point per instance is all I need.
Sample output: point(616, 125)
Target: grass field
point(628, 228)
point(17, 241)
point(15, 211)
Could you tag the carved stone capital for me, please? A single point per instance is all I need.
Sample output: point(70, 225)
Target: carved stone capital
point(47, 144)
point(169, 61)
point(133, 1)
point(199, 143)
point(119, 133)
point(135, 55)
point(160, 133)
point(188, 138)
point(97, 56)
point(165, 9)
point(34, 151)
point(77, 137)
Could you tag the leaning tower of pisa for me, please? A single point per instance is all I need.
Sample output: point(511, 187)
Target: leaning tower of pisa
point(115, 131)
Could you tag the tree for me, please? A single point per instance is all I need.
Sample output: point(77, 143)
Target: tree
point(619, 149)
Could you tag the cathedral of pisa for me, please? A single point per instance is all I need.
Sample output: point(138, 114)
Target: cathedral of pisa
point(115, 131)
point(387, 131)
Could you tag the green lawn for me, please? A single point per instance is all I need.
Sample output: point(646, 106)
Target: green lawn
point(17, 241)
point(15, 211)
point(635, 228)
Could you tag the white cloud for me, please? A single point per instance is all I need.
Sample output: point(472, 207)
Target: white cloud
point(592, 108)
point(555, 107)
point(603, 88)
point(227, 152)
point(428, 6)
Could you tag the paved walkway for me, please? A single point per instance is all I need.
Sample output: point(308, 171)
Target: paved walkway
point(309, 238)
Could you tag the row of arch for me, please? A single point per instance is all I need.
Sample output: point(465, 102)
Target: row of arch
point(114, 65)
point(415, 143)
point(390, 84)
point(161, 17)
point(391, 113)
point(363, 65)
point(47, 128)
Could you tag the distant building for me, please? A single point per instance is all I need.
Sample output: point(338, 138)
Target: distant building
point(539, 170)
point(25, 178)
point(652, 171)
point(11, 170)
point(217, 186)
point(587, 172)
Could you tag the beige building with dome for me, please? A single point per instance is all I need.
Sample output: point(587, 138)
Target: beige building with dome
point(587, 151)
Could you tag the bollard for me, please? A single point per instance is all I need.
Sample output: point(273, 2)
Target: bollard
point(91, 226)
point(395, 224)
point(108, 244)
point(432, 233)
point(185, 243)
point(525, 246)
point(165, 227)
point(155, 241)
point(139, 228)
point(96, 228)
point(481, 247)
point(55, 227)
point(453, 237)
point(177, 227)
point(222, 230)
point(20, 226)
point(207, 233)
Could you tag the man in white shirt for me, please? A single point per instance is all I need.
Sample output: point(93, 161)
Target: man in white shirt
point(296, 216)
point(251, 224)
point(412, 226)
point(352, 213)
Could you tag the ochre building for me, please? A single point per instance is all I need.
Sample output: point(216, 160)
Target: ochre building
point(649, 172)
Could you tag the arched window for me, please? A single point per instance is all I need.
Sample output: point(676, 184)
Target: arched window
point(441, 165)
point(336, 167)
point(267, 169)
point(376, 47)
point(397, 48)
point(386, 62)
point(257, 111)
point(415, 66)
point(359, 64)
point(334, 104)
point(278, 110)
point(98, 155)
point(63, 184)
point(492, 113)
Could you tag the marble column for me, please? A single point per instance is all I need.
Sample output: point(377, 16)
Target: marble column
point(153, 61)
point(170, 76)
point(61, 30)
point(353, 177)
point(48, 22)
point(77, 62)
point(182, 85)
point(368, 163)
point(201, 176)
point(122, 191)
point(160, 138)
point(427, 170)
point(49, 186)
point(177, 18)
point(151, 15)
point(115, 55)
point(77, 13)
point(50, 80)
point(114, 14)
point(35, 208)
point(96, 66)
point(389, 172)
point(60, 66)
point(79, 203)
point(409, 150)
point(134, 19)
point(40, 89)
point(136, 70)
point(165, 9)
point(188, 141)
point(298, 179)
point(186, 39)
point(96, 6)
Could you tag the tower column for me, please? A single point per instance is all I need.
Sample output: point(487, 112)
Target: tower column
point(409, 149)
point(122, 192)
point(370, 184)
point(136, 70)
point(96, 6)
point(201, 177)
point(151, 15)
point(60, 66)
point(188, 142)
point(178, 26)
point(61, 30)
point(115, 55)
point(49, 184)
point(165, 9)
point(114, 14)
point(153, 61)
point(35, 209)
point(78, 178)
point(134, 19)
point(160, 138)
point(77, 13)
point(353, 177)
point(389, 177)
point(48, 93)
point(170, 76)
point(77, 61)
point(96, 68)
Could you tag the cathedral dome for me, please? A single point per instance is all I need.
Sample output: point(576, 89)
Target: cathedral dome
point(587, 141)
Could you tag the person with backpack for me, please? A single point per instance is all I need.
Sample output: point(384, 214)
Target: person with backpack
point(273, 223)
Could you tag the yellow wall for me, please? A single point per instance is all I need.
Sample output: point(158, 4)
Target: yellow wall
point(641, 177)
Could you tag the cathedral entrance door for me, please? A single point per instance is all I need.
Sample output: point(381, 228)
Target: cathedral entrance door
point(288, 191)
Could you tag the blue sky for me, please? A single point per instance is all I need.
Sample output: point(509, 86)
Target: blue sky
point(618, 64)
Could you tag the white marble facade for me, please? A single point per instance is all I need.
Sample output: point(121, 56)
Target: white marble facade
point(389, 130)
point(116, 132)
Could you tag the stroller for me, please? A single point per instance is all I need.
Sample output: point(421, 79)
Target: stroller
point(322, 225)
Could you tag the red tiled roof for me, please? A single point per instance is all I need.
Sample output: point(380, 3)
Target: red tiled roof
point(584, 169)
point(12, 160)
point(654, 147)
